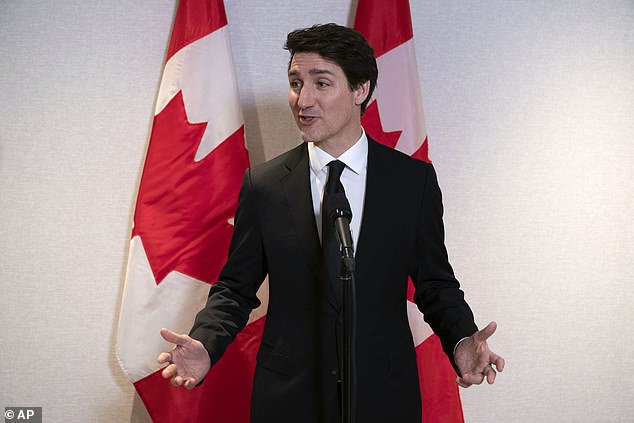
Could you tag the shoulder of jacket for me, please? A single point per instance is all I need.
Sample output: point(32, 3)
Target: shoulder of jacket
point(280, 165)
point(397, 159)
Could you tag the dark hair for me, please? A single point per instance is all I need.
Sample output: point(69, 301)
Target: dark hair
point(344, 46)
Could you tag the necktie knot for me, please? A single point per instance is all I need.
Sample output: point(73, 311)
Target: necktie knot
point(335, 169)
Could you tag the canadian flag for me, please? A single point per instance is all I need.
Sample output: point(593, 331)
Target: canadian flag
point(183, 222)
point(394, 117)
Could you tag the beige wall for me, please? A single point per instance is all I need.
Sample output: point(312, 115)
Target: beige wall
point(529, 107)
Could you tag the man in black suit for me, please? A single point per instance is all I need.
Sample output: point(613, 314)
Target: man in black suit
point(398, 231)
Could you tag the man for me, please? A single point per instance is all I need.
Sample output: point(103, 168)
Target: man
point(398, 233)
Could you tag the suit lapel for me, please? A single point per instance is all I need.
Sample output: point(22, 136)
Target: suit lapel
point(297, 193)
point(377, 184)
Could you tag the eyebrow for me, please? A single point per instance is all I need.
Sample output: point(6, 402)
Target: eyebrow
point(313, 72)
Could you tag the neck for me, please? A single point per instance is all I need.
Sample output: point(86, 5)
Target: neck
point(336, 147)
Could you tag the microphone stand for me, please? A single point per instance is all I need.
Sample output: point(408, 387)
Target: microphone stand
point(349, 311)
point(341, 215)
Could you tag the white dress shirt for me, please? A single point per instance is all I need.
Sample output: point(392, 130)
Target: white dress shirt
point(353, 179)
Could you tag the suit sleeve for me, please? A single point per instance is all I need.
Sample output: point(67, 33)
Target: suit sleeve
point(438, 293)
point(232, 298)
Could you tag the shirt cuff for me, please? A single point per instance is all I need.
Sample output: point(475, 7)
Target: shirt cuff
point(456, 347)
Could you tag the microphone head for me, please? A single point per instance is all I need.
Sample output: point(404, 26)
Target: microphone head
point(336, 205)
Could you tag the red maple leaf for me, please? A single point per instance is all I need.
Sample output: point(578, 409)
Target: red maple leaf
point(184, 207)
point(371, 121)
point(423, 152)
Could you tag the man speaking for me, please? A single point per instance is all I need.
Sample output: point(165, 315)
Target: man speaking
point(397, 231)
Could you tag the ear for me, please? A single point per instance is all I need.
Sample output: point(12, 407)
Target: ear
point(361, 92)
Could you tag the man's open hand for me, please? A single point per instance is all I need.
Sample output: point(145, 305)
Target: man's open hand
point(188, 362)
point(475, 360)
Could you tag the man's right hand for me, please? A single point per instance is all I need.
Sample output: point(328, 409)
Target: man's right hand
point(188, 362)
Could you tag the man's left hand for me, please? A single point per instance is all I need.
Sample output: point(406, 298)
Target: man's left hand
point(475, 360)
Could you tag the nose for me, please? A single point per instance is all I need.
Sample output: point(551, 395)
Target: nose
point(305, 97)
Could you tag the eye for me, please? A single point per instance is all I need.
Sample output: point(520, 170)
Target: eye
point(295, 84)
point(323, 84)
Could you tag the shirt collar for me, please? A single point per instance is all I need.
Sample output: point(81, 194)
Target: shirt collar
point(355, 158)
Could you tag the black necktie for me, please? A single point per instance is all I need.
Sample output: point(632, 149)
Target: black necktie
point(329, 243)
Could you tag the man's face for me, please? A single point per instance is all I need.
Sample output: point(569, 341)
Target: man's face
point(326, 110)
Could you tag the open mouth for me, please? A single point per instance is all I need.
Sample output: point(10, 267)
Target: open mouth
point(307, 119)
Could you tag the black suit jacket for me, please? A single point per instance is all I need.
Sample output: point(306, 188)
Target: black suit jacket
point(275, 233)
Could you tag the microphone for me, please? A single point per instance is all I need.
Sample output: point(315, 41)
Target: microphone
point(338, 209)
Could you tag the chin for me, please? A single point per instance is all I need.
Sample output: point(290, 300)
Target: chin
point(307, 138)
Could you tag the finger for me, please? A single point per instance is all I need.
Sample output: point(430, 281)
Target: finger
point(177, 380)
point(164, 357)
point(499, 363)
point(489, 373)
point(462, 383)
point(190, 383)
point(486, 333)
point(175, 338)
point(473, 379)
point(169, 371)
